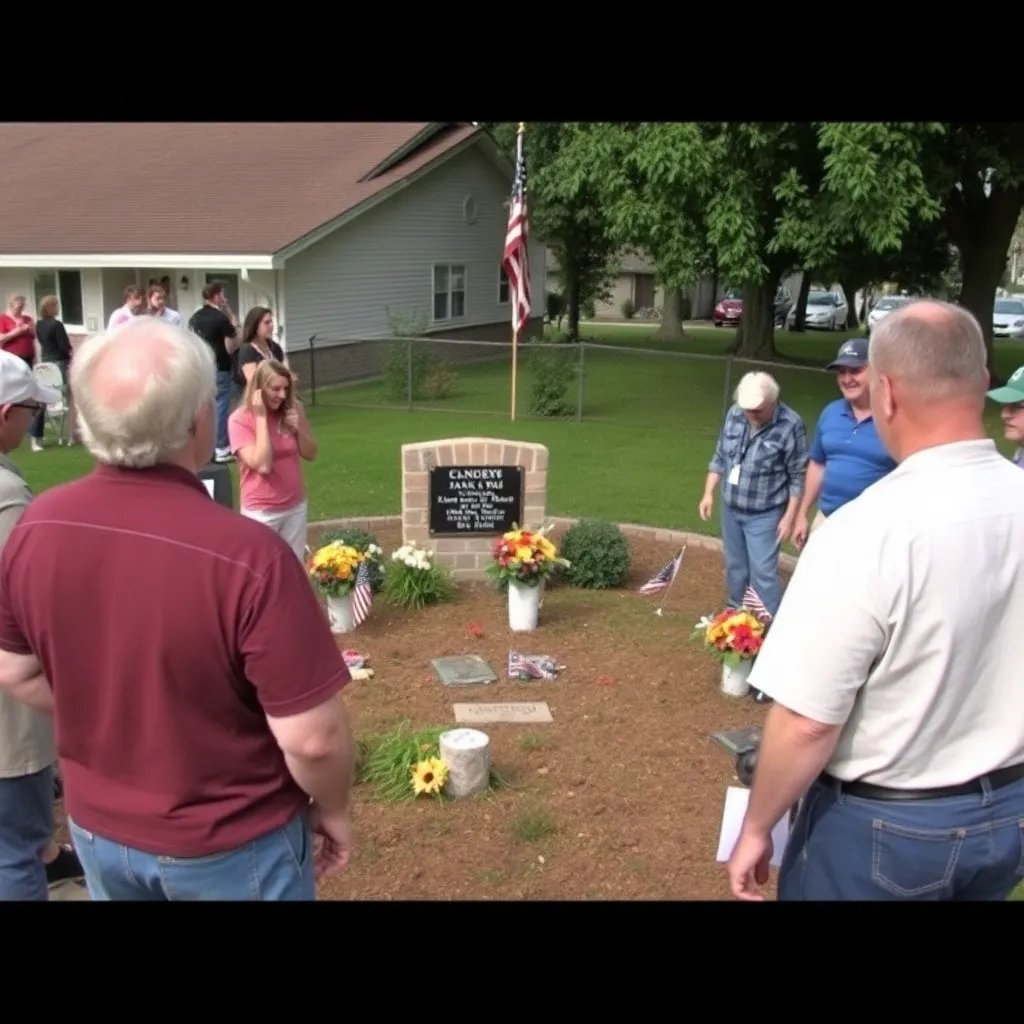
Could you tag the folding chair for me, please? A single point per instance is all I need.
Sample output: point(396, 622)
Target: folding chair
point(56, 414)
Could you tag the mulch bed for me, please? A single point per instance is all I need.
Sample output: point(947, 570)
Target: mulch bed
point(620, 797)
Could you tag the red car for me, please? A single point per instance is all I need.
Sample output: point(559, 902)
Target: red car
point(729, 311)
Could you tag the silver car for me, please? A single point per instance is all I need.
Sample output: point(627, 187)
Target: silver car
point(1008, 318)
point(883, 307)
point(824, 311)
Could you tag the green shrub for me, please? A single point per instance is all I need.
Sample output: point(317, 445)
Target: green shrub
point(553, 368)
point(598, 555)
point(628, 309)
point(396, 371)
point(555, 309)
point(362, 541)
point(413, 579)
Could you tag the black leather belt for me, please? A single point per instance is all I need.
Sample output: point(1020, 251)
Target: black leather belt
point(866, 791)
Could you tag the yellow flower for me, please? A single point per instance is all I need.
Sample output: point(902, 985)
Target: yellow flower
point(524, 553)
point(546, 548)
point(514, 536)
point(429, 776)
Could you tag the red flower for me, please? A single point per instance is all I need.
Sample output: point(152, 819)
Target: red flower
point(475, 629)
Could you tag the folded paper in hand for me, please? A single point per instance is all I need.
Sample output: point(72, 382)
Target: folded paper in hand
point(736, 800)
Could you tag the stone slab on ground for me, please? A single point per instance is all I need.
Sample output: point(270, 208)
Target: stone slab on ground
point(520, 711)
point(464, 670)
point(739, 741)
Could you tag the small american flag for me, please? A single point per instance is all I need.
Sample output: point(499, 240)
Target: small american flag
point(516, 259)
point(665, 577)
point(753, 603)
point(362, 594)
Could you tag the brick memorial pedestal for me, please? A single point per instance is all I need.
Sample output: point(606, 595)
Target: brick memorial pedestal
point(462, 493)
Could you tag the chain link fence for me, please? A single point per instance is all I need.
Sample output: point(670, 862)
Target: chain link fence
point(590, 381)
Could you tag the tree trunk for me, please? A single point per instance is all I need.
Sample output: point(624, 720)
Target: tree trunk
point(800, 321)
point(572, 305)
point(982, 268)
point(850, 288)
point(671, 315)
point(755, 338)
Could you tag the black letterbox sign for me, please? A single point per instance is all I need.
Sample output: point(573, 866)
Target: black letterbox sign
point(475, 500)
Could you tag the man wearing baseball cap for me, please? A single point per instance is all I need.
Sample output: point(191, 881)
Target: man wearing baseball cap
point(27, 752)
point(1011, 398)
point(846, 454)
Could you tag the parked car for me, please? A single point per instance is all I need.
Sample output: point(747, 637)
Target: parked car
point(824, 311)
point(1008, 318)
point(883, 307)
point(729, 310)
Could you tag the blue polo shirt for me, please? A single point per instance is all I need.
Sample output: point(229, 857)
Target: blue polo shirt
point(851, 452)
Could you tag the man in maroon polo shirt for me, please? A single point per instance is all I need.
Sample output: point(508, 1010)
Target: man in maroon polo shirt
point(191, 672)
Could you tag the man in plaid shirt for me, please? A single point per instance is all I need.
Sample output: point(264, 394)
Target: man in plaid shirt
point(760, 460)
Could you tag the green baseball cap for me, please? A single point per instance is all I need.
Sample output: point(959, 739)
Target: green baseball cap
point(1012, 392)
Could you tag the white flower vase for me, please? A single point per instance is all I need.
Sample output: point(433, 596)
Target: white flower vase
point(339, 612)
point(523, 607)
point(734, 680)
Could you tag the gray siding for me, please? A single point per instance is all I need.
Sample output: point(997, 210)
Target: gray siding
point(340, 288)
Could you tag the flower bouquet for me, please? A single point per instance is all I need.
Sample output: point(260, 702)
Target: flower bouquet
point(734, 638)
point(413, 579)
point(333, 570)
point(523, 560)
point(366, 544)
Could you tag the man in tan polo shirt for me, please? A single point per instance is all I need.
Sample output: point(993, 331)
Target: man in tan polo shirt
point(894, 661)
point(27, 752)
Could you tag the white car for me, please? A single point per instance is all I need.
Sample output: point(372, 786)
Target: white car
point(825, 311)
point(1008, 318)
point(883, 307)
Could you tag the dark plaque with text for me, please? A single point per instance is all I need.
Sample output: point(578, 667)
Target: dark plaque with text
point(475, 500)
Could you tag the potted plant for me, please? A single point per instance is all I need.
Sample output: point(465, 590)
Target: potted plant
point(334, 572)
point(733, 637)
point(524, 559)
point(414, 579)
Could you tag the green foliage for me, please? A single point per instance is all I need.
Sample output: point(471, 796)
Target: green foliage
point(555, 308)
point(598, 555)
point(553, 366)
point(365, 543)
point(416, 586)
point(411, 371)
point(441, 379)
point(627, 309)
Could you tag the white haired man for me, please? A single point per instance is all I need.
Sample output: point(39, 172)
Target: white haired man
point(200, 733)
point(759, 461)
point(895, 659)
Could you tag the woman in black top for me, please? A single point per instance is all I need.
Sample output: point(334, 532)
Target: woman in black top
point(256, 345)
point(54, 347)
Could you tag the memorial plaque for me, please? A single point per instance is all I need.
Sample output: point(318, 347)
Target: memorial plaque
point(464, 670)
point(520, 712)
point(475, 500)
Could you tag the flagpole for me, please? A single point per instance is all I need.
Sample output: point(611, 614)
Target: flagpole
point(515, 298)
point(671, 582)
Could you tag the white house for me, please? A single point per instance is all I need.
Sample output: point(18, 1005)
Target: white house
point(330, 225)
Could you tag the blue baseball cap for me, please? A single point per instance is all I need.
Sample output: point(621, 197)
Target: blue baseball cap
point(852, 355)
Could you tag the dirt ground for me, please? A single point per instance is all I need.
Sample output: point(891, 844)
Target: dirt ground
point(620, 797)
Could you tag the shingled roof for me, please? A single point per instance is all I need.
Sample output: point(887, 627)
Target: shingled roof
point(91, 189)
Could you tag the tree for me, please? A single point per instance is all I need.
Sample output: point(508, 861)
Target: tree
point(566, 213)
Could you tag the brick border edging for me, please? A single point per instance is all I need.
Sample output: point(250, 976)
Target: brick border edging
point(681, 537)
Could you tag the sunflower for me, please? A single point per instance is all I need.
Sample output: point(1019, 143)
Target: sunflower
point(429, 776)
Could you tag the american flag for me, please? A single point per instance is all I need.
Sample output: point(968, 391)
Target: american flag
point(362, 594)
point(516, 260)
point(666, 576)
point(753, 603)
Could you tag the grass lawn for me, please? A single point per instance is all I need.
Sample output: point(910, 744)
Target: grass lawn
point(641, 458)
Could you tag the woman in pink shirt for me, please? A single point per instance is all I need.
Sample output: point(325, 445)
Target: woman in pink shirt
point(269, 433)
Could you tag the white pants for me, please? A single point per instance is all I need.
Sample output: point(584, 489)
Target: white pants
point(290, 523)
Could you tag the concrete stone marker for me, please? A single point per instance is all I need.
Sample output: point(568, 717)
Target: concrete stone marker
point(464, 670)
point(520, 711)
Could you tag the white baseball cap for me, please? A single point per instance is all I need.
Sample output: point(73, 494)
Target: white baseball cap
point(19, 384)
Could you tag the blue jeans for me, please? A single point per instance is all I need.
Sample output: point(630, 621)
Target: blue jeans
point(223, 408)
point(751, 553)
point(26, 826)
point(276, 866)
point(955, 848)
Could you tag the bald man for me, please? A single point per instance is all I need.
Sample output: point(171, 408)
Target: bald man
point(201, 737)
point(895, 659)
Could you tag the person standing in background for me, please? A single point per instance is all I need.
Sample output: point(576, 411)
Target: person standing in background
point(257, 344)
point(1011, 398)
point(133, 304)
point(217, 325)
point(846, 455)
point(17, 331)
point(54, 347)
point(156, 305)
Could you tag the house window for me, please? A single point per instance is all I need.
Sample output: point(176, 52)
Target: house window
point(67, 286)
point(503, 289)
point(449, 291)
